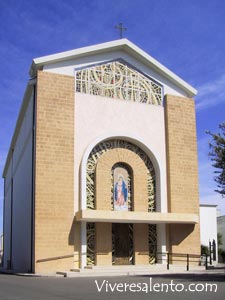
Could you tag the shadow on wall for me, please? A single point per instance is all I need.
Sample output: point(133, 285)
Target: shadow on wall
point(74, 235)
point(71, 237)
point(179, 232)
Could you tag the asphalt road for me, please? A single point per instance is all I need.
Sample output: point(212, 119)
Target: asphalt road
point(14, 287)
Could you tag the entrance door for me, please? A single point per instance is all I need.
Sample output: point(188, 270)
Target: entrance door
point(121, 244)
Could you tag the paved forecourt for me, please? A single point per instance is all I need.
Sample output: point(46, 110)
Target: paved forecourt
point(171, 286)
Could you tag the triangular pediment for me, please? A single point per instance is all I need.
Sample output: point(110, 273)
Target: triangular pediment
point(66, 62)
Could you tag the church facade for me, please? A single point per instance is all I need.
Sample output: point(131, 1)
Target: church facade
point(102, 168)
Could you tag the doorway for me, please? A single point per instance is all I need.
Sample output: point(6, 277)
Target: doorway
point(122, 235)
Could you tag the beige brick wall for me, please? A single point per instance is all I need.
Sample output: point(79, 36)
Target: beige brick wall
point(103, 202)
point(54, 208)
point(103, 244)
point(141, 247)
point(182, 171)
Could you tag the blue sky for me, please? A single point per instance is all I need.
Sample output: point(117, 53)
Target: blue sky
point(187, 36)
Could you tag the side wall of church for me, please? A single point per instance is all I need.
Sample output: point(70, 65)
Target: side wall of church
point(54, 194)
point(18, 196)
point(182, 172)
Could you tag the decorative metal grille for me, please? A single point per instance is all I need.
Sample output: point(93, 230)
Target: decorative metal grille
point(90, 244)
point(113, 245)
point(130, 199)
point(131, 244)
point(152, 242)
point(117, 80)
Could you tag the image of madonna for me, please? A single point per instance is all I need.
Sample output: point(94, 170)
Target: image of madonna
point(120, 194)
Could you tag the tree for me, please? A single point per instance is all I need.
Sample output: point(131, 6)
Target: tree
point(204, 250)
point(217, 154)
point(219, 242)
point(221, 252)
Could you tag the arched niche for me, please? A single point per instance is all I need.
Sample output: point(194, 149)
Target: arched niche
point(103, 179)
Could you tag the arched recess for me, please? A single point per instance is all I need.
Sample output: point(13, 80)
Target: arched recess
point(99, 196)
point(99, 146)
point(101, 159)
point(103, 178)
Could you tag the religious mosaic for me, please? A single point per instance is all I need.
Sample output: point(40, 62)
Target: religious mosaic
point(121, 181)
point(118, 80)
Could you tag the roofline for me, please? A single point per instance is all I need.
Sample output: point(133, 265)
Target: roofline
point(208, 205)
point(121, 44)
point(26, 98)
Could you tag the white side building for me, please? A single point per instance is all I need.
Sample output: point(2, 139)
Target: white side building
point(208, 225)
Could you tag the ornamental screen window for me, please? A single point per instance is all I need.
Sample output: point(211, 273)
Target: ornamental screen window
point(117, 80)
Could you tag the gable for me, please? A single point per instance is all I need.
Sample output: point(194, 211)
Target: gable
point(66, 62)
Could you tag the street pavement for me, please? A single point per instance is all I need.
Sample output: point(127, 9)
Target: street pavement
point(173, 286)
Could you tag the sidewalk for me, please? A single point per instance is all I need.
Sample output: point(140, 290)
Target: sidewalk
point(155, 270)
point(160, 270)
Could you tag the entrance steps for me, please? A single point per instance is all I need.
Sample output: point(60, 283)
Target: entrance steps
point(126, 270)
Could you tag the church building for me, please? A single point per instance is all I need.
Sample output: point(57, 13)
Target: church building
point(102, 168)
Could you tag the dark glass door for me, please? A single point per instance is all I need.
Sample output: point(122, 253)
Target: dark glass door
point(122, 244)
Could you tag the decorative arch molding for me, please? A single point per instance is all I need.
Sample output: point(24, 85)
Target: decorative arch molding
point(99, 164)
point(127, 138)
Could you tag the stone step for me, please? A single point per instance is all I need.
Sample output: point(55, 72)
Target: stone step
point(99, 271)
point(119, 267)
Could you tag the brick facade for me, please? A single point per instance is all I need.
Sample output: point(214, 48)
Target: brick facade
point(57, 237)
point(167, 133)
point(54, 208)
point(182, 172)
